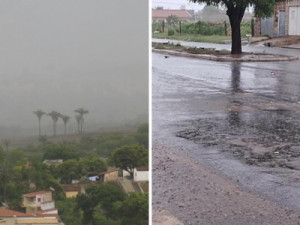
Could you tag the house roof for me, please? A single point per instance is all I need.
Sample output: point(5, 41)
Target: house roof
point(11, 213)
point(142, 168)
point(33, 194)
point(163, 13)
point(94, 173)
point(71, 188)
point(52, 220)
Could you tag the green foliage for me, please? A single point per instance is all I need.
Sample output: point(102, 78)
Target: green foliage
point(235, 12)
point(90, 164)
point(172, 20)
point(134, 209)
point(69, 170)
point(157, 26)
point(68, 211)
point(103, 196)
point(130, 156)
point(53, 151)
point(171, 32)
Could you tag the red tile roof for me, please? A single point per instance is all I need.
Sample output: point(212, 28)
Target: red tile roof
point(72, 188)
point(29, 195)
point(11, 213)
point(162, 13)
point(142, 169)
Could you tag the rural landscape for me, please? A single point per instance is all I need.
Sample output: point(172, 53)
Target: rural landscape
point(74, 116)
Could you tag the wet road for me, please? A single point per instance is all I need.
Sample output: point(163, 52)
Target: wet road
point(238, 119)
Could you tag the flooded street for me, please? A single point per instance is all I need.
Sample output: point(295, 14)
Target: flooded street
point(225, 128)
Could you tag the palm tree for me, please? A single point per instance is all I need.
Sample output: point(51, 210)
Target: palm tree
point(39, 113)
point(78, 119)
point(66, 119)
point(54, 116)
point(81, 112)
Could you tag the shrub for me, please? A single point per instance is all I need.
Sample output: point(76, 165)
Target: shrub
point(171, 32)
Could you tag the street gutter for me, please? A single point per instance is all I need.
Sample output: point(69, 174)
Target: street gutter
point(248, 57)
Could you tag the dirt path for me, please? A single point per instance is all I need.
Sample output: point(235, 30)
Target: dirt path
point(185, 192)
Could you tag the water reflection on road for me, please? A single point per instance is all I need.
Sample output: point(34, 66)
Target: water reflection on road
point(245, 114)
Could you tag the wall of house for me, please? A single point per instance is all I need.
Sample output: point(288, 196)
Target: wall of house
point(280, 6)
point(111, 177)
point(47, 197)
point(71, 194)
point(47, 205)
point(291, 3)
point(141, 175)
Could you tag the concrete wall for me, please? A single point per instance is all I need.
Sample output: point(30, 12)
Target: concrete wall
point(280, 6)
point(111, 177)
point(141, 175)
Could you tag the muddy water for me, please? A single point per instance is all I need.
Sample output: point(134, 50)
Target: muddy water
point(241, 120)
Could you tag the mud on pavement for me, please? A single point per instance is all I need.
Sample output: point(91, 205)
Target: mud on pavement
point(258, 132)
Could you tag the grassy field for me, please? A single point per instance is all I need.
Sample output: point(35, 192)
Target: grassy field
point(194, 38)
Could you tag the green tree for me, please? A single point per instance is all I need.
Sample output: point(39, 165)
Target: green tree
point(81, 112)
point(39, 113)
point(68, 171)
point(129, 157)
point(65, 119)
point(54, 116)
point(90, 164)
point(104, 196)
point(68, 212)
point(235, 12)
point(134, 210)
point(53, 151)
point(172, 20)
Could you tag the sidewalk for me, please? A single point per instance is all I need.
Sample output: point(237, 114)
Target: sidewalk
point(284, 42)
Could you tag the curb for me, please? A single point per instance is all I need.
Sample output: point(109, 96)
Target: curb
point(264, 58)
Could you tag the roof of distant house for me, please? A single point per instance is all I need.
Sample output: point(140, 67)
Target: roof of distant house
point(164, 13)
point(32, 194)
point(142, 168)
point(68, 188)
point(10, 213)
point(95, 173)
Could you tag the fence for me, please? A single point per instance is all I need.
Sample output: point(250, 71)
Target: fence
point(200, 28)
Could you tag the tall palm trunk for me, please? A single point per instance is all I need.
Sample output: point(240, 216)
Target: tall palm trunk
point(40, 132)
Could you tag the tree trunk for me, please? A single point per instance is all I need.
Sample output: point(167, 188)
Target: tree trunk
point(235, 13)
point(54, 129)
point(39, 128)
point(236, 45)
point(65, 129)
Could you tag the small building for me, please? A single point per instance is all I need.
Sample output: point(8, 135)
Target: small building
point(53, 162)
point(36, 201)
point(276, 25)
point(159, 15)
point(293, 17)
point(10, 217)
point(71, 191)
point(139, 174)
point(107, 176)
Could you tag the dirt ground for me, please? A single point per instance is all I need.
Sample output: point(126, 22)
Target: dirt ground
point(205, 197)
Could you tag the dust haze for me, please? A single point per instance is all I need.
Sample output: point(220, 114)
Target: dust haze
point(65, 54)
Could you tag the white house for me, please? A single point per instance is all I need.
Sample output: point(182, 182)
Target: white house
point(139, 174)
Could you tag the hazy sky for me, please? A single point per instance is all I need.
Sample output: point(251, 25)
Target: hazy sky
point(176, 4)
point(65, 54)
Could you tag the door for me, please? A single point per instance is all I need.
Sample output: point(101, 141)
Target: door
point(267, 26)
point(293, 16)
point(281, 23)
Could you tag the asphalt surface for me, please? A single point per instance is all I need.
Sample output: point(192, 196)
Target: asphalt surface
point(236, 123)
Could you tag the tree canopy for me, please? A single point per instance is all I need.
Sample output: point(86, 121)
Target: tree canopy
point(235, 12)
point(129, 157)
